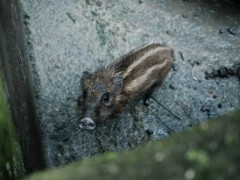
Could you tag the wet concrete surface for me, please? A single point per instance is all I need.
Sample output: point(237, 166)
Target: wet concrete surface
point(66, 37)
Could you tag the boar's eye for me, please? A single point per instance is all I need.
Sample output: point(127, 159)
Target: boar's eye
point(105, 97)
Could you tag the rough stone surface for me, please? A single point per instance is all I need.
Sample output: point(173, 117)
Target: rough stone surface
point(66, 37)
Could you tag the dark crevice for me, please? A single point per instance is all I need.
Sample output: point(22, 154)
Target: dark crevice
point(16, 72)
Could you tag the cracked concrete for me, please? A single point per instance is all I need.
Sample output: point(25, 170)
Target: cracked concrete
point(66, 37)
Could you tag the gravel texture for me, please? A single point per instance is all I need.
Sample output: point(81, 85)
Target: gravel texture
point(66, 37)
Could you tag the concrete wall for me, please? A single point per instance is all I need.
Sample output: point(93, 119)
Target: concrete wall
point(67, 37)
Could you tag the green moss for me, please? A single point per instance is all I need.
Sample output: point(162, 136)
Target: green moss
point(199, 156)
point(11, 164)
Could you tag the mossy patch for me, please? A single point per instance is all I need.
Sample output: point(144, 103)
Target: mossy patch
point(210, 151)
point(11, 164)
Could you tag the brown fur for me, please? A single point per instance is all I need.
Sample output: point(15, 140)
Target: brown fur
point(131, 76)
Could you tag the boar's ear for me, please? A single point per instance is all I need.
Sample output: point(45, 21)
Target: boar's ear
point(85, 75)
point(118, 83)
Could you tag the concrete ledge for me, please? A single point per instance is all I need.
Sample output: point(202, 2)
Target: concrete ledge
point(66, 37)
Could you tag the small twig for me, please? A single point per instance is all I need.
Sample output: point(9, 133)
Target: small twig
point(181, 55)
point(170, 130)
point(175, 115)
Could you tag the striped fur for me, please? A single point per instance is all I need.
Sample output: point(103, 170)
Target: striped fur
point(131, 76)
point(144, 67)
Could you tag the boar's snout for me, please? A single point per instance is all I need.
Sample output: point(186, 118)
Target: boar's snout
point(87, 123)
